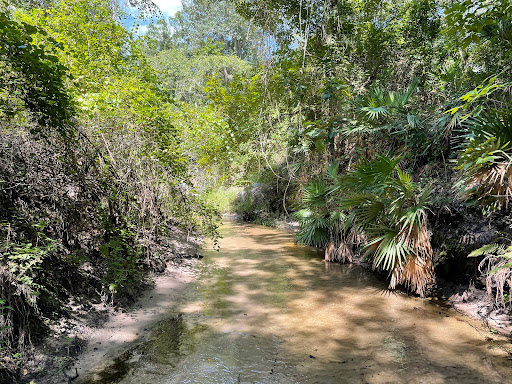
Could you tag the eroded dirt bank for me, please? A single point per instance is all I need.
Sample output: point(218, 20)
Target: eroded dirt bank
point(108, 332)
point(477, 304)
point(93, 332)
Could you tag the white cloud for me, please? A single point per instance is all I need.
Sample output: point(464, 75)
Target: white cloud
point(168, 6)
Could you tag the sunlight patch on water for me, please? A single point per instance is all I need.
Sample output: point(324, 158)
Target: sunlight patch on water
point(267, 311)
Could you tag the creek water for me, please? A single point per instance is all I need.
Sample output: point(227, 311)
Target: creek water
point(264, 310)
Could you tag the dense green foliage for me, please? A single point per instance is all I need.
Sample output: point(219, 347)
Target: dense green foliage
point(377, 124)
point(95, 177)
point(32, 76)
point(357, 83)
point(361, 82)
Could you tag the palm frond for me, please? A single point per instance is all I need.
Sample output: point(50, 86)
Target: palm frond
point(303, 215)
point(368, 213)
point(341, 253)
point(389, 252)
point(380, 103)
point(446, 124)
point(497, 124)
point(375, 104)
point(486, 172)
point(415, 214)
point(415, 237)
point(406, 254)
point(355, 200)
point(359, 129)
point(413, 87)
point(371, 176)
point(417, 274)
point(314, 194)
point(493, 249)
point(375, 113)
point(313, 232)
point(336, 221)
point(404, 182)
point(315, 219)
point(497, 267)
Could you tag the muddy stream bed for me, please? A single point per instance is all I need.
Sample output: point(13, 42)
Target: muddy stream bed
point(264, 310)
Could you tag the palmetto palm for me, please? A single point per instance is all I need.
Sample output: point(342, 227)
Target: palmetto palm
point(383, 202)
point(380, 202)
point(486, 158)
point(394, 115)
point(390, 108)
point(323, 226)
point(314, 217)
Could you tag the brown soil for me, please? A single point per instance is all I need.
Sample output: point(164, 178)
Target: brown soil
point(96, 332)
point(104, 332)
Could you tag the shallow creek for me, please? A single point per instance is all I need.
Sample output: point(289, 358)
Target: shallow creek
point(264, 310)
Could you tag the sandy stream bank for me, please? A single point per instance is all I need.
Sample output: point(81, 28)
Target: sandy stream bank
point(122, 328)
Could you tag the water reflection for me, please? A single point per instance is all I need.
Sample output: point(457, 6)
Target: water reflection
point(267, 311)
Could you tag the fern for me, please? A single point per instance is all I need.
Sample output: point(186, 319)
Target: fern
point(497, 267)
point(492, 249)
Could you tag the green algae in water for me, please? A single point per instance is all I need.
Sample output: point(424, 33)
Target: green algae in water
point(170, 341)
point(114, 372)
point(166, 339)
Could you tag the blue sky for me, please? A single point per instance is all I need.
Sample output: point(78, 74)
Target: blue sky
point(168, 8)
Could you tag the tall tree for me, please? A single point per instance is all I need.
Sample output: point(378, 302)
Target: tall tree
point(203, 24)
